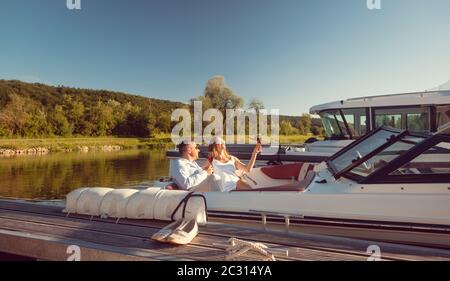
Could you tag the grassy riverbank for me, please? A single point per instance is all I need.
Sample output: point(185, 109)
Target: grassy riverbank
point(297, 139)
point(77, 143)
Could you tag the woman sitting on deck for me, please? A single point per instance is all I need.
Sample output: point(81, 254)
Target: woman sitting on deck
point(227, 167)
point(229, 171)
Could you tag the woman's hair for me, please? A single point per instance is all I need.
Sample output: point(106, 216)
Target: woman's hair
point(216, 153)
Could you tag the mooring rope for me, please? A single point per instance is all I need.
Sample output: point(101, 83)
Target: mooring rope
point(239, 249)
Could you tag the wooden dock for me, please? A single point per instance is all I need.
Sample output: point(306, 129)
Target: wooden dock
point(45, 233)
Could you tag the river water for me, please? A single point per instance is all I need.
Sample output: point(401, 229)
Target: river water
point(53, 176)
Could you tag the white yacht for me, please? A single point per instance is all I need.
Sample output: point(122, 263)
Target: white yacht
point(347, 120)
point(390, 185)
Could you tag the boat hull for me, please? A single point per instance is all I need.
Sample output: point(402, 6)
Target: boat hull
point(436, 236)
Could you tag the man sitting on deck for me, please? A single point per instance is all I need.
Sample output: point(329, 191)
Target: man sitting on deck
point(185, 172)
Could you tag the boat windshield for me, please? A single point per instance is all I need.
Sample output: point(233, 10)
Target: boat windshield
point(373, 152)
point(333, 123)
point(434, 161)
point(385, 156)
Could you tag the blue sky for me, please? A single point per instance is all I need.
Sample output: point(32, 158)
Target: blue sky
point(291, 54)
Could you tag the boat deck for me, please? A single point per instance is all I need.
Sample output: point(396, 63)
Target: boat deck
point(43, 232)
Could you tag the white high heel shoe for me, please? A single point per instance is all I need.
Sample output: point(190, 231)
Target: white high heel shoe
point(164, 232)
point(184, 233)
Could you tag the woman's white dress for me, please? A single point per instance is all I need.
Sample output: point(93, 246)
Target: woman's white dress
point(225, 173)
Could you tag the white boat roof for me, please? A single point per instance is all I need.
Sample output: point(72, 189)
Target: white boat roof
point(404, 99)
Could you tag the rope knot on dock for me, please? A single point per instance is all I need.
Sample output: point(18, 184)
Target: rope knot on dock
point(244, 250)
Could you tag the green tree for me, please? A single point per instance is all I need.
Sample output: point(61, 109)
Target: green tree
point(4, 132)
point(287, 129)
point(37, 124)
point(218, 95)
point(256, 104)
point(317, 131)
point(102, 116)
point(306, 122)
point(60, 124)
point(138, 122)
point(16, 115)
point(163, 122)
point(75, 114)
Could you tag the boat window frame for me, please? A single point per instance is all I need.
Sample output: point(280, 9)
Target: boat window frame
point(345, 130)
point(357, 113)
point(347, 127)
point(345, 172)
point(428, 108)
point(341, 129)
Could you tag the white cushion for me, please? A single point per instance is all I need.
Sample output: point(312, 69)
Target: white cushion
point(141, 204)
point(72, 199)
point(90, 201)
point(115, 202)
point(151, 203)
point(167, 201)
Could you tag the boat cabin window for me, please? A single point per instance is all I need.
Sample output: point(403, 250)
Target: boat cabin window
point(386, 119)
point(414, 119)
point(334, 123)
point(433, 161)
point(417, 122)
point(363, 125)
point(356, 120)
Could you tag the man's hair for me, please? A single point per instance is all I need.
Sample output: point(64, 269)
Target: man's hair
point(182, 147)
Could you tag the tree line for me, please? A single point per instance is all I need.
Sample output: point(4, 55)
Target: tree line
point(219, 95)
point(37, 110)
point(301, 125)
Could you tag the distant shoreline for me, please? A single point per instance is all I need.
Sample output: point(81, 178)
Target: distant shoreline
point(43, 146)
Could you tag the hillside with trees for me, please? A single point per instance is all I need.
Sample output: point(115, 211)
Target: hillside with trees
point(35, 110)
point(38, 110)
point(301, 125)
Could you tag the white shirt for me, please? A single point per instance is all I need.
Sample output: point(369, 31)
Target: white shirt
point(187, 174)
point(227, 173)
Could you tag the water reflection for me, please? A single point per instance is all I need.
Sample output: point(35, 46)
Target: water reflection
point(53, 176)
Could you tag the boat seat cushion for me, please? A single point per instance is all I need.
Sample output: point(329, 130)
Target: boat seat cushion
point(297, 171)
point(297, 187)
point(172, 186)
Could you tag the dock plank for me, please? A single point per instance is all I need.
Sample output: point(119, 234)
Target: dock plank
point(130, 239)
point(36, 223)
point(112, 239)
point(52, 248)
